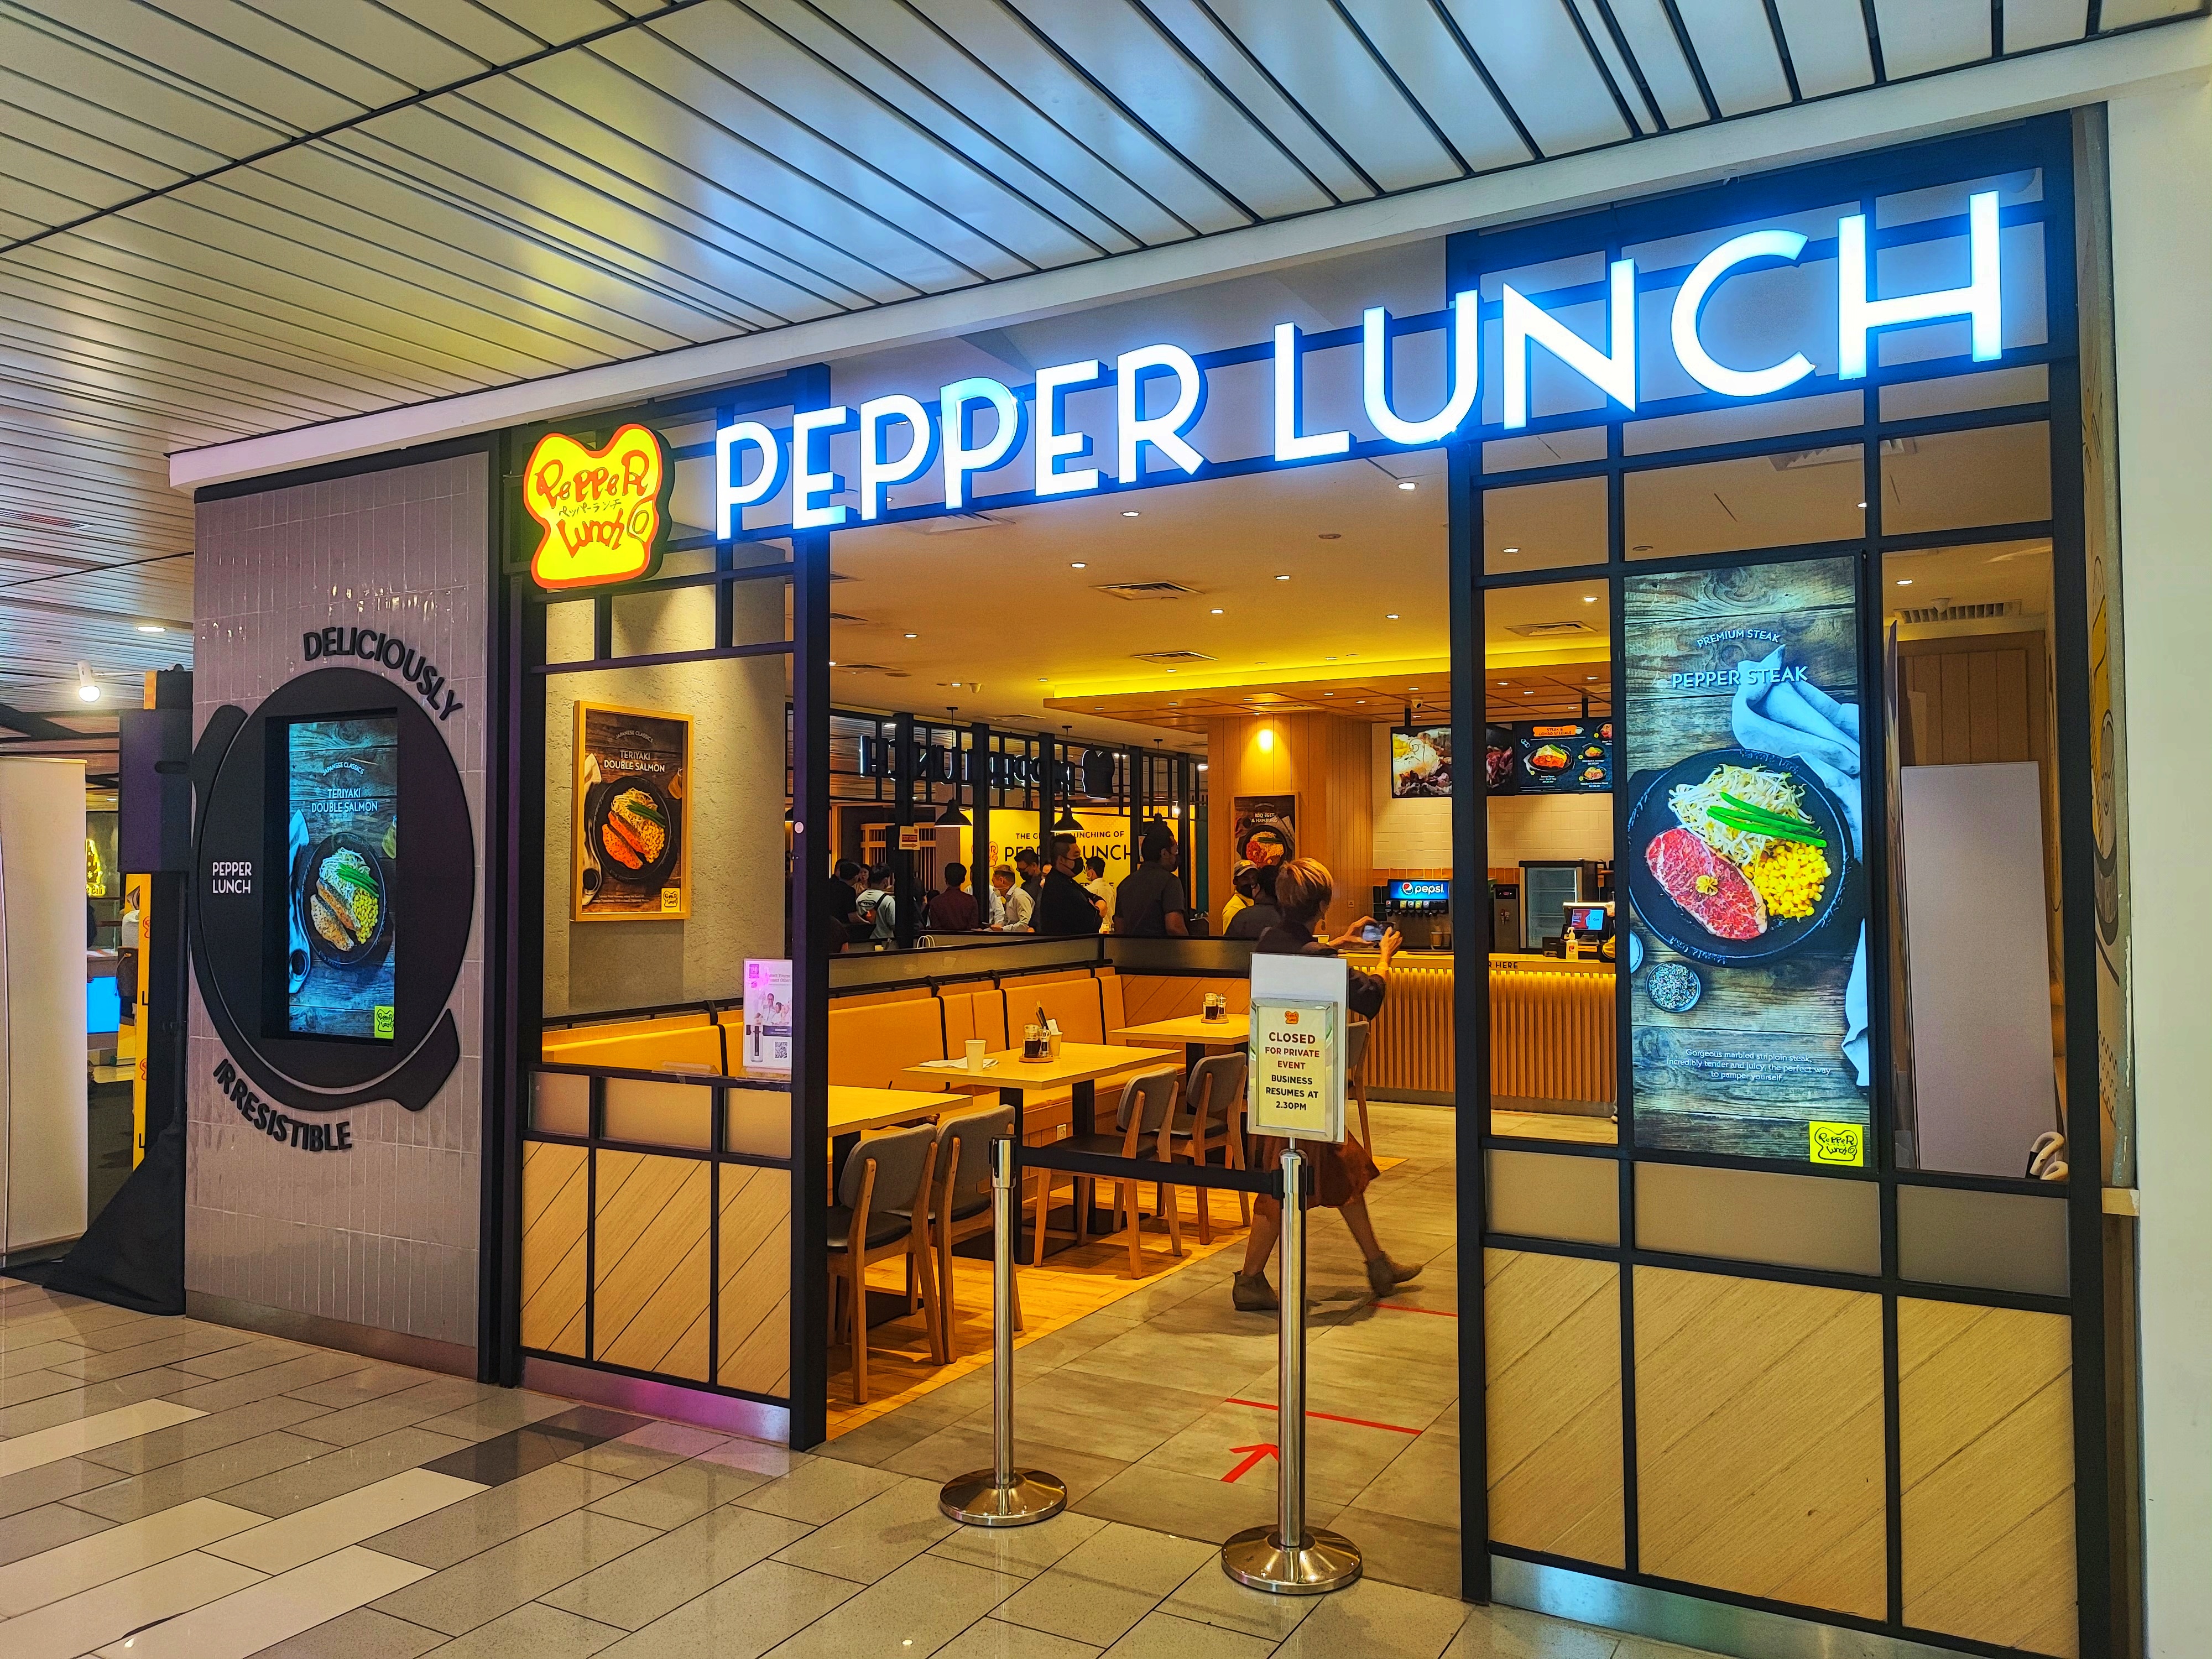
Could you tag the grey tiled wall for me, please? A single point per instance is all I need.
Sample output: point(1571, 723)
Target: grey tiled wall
point(384, 1235)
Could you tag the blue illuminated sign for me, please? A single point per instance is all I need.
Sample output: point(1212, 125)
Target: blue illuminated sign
point(979, 424)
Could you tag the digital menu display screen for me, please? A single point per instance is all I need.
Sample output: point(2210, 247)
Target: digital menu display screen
point(1421, 763)
point(1563, 756)
point(340, 791)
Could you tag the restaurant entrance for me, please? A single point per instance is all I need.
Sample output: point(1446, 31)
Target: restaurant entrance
point(1747, 537)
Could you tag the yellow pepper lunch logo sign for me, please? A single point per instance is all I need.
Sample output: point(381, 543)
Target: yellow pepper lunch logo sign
point(603, 512)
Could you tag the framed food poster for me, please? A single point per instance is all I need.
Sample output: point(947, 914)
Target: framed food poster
point(1749, 975)
point(633, 854)
point(1264, 829)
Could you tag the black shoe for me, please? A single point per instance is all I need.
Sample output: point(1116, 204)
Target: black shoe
point(1252, 1294)
point(1384, 1276)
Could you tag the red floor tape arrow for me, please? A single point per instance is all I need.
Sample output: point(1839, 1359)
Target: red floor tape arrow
point(1259, 1454)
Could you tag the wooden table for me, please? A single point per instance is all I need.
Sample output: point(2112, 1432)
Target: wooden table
point(1195, 1033)
point(1077, 1070)
point(853, 1110)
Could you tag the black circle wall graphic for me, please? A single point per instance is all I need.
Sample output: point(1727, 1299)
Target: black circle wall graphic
point(271, 909)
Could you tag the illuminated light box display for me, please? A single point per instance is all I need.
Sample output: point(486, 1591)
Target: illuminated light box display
point(603, 513)
point(1748, 1014)
point(978, 425)
point(633, 852)
point(341, 799)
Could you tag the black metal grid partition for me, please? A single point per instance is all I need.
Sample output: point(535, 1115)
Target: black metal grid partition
point(1598, 460)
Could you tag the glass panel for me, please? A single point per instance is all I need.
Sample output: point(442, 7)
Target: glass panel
point(560, 1103)
point(1544, 526)
point(1766, 501)
point(1954, 480)
point(1952, 394)
point(1992, 1241)
point(1585, 443)
point(1539, 1195)
point(1830, 412)
point(658, 1114)
point(1976, 901)
point(1753, 1215)
point(758, 1122)
point(1743, 770)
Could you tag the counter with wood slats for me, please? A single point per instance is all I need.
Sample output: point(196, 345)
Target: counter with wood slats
point(1552, 1032)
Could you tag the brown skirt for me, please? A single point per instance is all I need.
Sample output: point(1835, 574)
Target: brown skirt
point(1340, 1173)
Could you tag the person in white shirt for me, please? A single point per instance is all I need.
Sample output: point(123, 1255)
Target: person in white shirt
point(1011, 908)
point(1095, 884)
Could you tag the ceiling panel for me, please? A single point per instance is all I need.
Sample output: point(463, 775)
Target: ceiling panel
point(226, 217)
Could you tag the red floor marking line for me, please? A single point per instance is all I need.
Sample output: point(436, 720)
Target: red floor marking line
point(1407, 1307)
point(1330, 1417)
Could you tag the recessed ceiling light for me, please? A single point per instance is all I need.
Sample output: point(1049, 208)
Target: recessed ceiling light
point(1328, 694)
point(1128, 512)
point(1282, 579)
point(1589, 599)
point(1332, 535)
point(1501, 682)
point(1044, 679)
point(1509, 550)
point(1905, 582)
point(1217, 609)
point(1172, 670)
point(1078, 565)
point(1861, 504)
point(1407, 483)
point(1389, 615)
point(913, 636)
point(1590, 676)
point(1527, 693)
point(1641, 547)
point(1412, 688)
point(151, 628)
point(833, 662)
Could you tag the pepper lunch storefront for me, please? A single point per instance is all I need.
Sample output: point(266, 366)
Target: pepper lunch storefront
point(1820, 1322)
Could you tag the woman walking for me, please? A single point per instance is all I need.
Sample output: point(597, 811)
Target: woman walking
point(1341, 1173)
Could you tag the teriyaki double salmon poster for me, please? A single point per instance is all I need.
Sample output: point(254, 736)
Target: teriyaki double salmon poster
point(633, 855)
point(1749, 969)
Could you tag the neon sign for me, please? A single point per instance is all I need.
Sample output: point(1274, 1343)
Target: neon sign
point(979, 424)
point(603, 512)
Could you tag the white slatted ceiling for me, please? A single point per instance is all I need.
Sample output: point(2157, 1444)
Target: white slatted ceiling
point(224, 218)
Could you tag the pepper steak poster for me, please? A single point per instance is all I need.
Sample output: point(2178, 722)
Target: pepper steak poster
point(632, 859)
point(1748, 973)
point(1264, 829)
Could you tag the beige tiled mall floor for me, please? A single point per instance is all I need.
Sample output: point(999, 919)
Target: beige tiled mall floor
point(174, 1490)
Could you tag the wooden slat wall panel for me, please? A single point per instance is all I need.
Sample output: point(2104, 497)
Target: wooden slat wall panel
point(1986, 1455)
point(1759, 1429)
point(650, 1255)
point(755, 1287)
point(1551, 1035)
point(554, 1193)
point(1146, 998)
point(1552, 1325)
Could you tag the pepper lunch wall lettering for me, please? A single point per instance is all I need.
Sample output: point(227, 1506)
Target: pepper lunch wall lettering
point(388, 651)
point(1161, 391)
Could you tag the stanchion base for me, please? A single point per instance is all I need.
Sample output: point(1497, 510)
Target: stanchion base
point(978, 1499)
point(1257, 1558)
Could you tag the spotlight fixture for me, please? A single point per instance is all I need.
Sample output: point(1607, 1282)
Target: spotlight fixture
point(1217, 609)
point(1905, 582)
point(1389, 615)
point(1407, 483)
point(1129, 512)
point(1078, 565)
point(87, 689)
point(1509, 550)
point(913, 636)
point(1282, 579)
point(1589, 599)
point(151, 628)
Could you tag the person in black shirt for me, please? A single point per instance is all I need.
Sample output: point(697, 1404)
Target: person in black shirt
point(1064, 906)
point(1150, 903)
point(1254, 921)
point(1030, 868)
point(839, 896)
point(1341, 1173)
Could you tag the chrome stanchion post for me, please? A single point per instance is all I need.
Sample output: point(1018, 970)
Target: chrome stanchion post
point(1290, 1559)
point(1002, 1495)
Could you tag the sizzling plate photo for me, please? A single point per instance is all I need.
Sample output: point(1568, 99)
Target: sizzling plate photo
point(1736, 856)
point(340, 890)
point(630, 829)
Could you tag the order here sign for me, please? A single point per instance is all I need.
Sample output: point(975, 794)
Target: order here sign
point(1297, 1046)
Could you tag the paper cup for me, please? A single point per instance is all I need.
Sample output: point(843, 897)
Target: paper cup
point(974, 1053)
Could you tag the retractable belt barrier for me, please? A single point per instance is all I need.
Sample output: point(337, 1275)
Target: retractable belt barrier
point(1289, 1558)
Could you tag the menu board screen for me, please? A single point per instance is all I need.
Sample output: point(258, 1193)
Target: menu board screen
point(1421, 763)
point(1748, 991)
point(341, 801)
point(1563, 756)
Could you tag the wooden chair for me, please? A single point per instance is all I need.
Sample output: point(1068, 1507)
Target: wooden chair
point(883, 1208)
point(1214, 1120)
point(1355, 1074)
point(1148, 1109)
point(963, 1206)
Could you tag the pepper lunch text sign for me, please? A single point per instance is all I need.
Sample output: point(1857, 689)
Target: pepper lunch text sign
point(603, 512)
point(1297, 1047)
